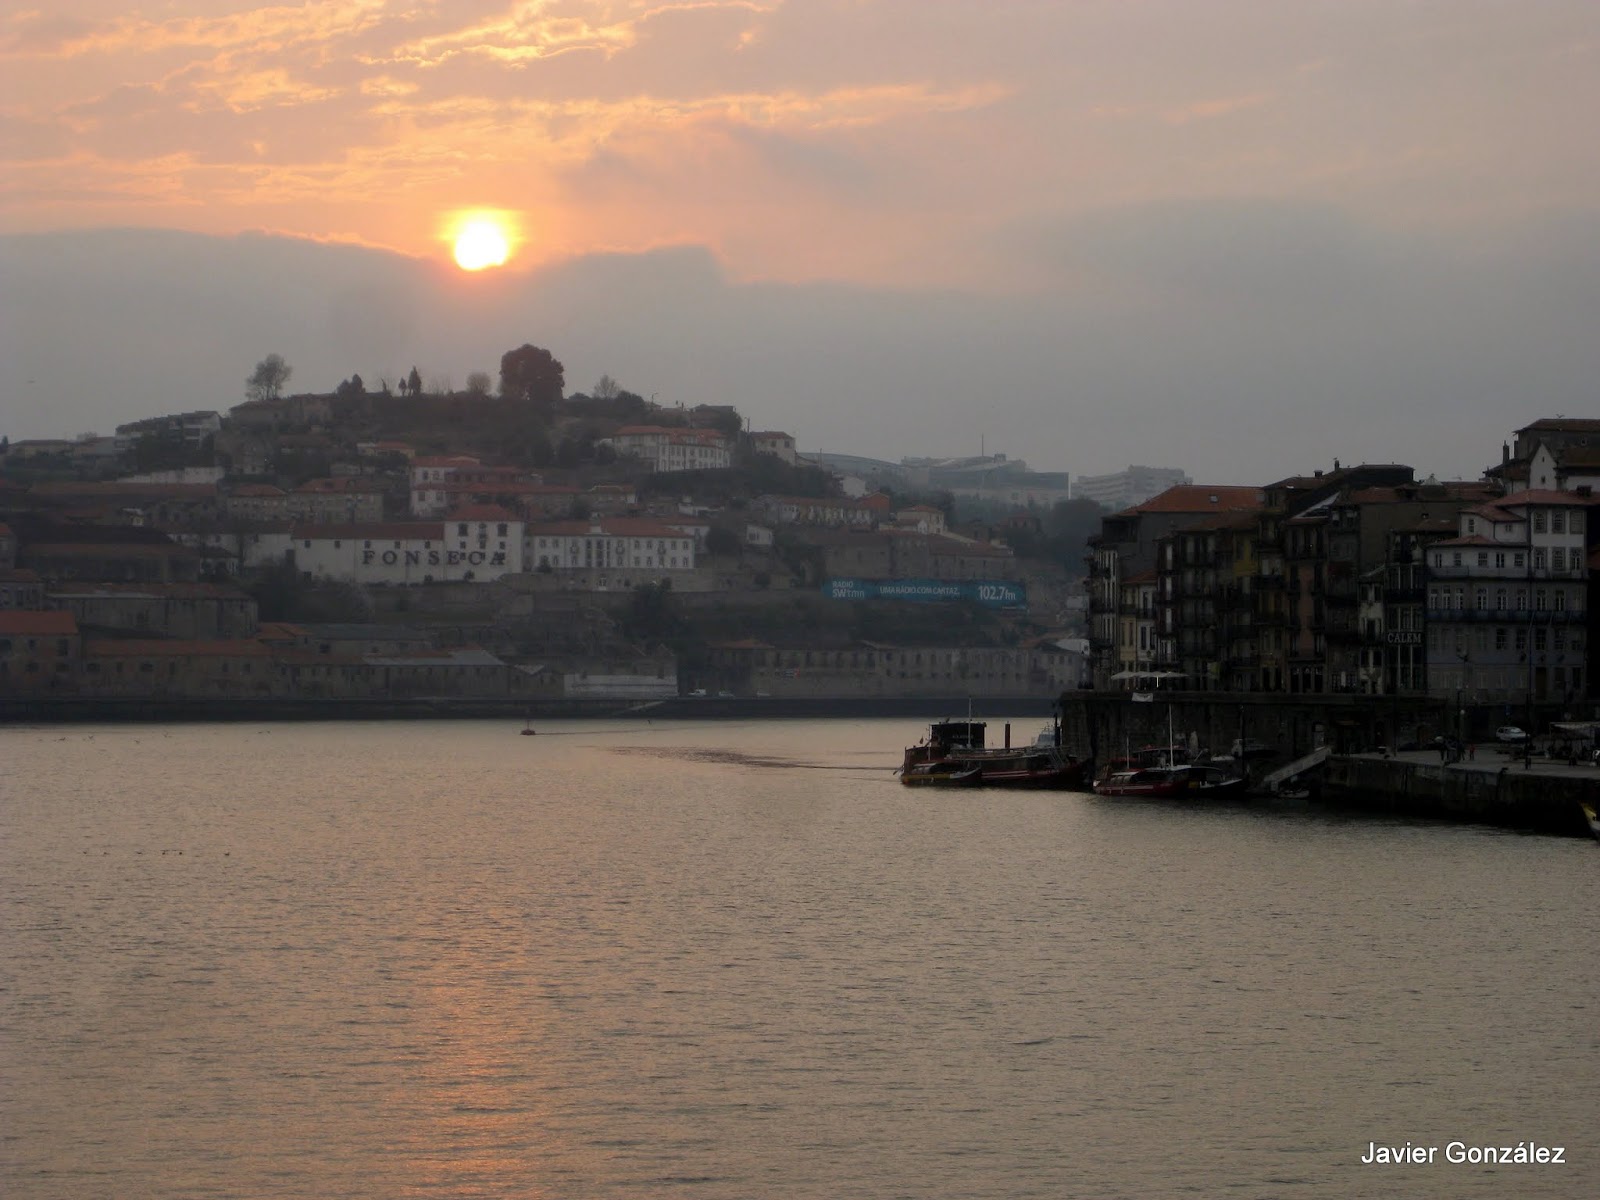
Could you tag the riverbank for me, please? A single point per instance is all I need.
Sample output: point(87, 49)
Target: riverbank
point(681, 708)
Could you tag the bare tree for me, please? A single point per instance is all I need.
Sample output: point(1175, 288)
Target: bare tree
point(267, 380)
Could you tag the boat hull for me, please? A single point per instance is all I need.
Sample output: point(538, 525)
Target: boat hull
point(1173, 783)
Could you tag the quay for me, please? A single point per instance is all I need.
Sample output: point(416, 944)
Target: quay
point(1495, 787)
point(1363, 771)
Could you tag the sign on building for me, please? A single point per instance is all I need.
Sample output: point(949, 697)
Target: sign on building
point(991, 593)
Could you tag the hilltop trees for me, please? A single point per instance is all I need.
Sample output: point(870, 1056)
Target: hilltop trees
point(533, 376)
point(266, 382)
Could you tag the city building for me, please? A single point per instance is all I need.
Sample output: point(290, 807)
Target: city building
point(617, 543)
point(673, 448)
point(1507, 602)
point(1124, 489)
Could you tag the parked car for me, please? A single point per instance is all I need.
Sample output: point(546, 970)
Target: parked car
point(1510, 733)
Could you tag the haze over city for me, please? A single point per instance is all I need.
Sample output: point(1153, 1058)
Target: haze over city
point(1242, 239)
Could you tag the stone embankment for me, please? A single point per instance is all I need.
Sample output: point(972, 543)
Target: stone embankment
point(1492, 788)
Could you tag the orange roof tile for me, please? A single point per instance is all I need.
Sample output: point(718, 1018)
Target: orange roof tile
point(34, 623)
point(154, 648)
point(1196, 498)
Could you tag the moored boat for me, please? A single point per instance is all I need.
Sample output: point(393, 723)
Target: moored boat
point(954, 755)
point(1592, 816)
point(1188, 782)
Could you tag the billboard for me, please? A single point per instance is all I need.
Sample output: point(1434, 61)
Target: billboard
point(991, 593)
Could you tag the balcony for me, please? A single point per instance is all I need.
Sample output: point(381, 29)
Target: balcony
point(1505, 616)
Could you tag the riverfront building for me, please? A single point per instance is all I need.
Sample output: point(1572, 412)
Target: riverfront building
point(1507, 601)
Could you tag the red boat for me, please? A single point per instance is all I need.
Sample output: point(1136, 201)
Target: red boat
point(1189, 782)
point(954, 755)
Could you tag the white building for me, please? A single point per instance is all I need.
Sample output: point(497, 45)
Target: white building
point(779, 445)
point(1507, 599)
point(621, 543)
point(673, 448)
point(1127, 488)
point(473, 545)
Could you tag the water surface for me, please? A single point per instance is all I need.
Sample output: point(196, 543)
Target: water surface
point(733, 959)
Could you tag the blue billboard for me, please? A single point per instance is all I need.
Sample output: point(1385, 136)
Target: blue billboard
point(991, 593)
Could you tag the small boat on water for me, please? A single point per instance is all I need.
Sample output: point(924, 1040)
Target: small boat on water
point(1592, 816)
point(1192, 781)
point(954, 755)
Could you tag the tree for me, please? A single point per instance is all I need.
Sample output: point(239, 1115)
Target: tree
point(266, 382)
point(414, 383)
point(722, 541)
point(479, 383)
point(531, 375)
point(605, 388)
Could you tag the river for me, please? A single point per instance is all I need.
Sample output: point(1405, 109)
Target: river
point(733, 960)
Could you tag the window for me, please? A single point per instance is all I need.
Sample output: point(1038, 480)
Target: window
point(1538, 520)
point(1483, 558)
point(1500, 559)
point(1558, 521)
point(1518, 559)
point(1455, 558)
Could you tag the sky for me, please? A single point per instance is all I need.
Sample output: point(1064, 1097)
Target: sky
point(1239, 237)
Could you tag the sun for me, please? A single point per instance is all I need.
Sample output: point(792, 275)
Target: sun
point(482, 240)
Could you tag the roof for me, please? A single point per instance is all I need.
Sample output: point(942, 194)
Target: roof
point(481, 512)
point(341, 485)
point(1197, 498)
point(110, 550)
point(34, 623)
point(113, 488)
point(257, 489)
point(1564, 425)
point(355, 531)
point(1544, 496)
point(444, 460)
point(172, 591)
point(1443, 493)
point(460, 656)
point(365, 631)
point(606, 527)
point(175, 648)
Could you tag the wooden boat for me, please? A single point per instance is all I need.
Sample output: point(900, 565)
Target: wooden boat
point(954, 755)
point(1592, 816)
point(1189, 782)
